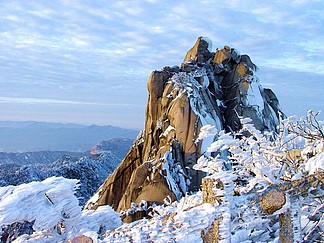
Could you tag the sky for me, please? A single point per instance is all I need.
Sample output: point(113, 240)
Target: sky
point(87, 62)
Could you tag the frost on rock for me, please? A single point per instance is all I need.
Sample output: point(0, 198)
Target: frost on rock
point(93, 200)
point(207, 131)
point(53, 209)
point(174, 175)
point(254, 96)
point(46, 203)
point(196, 85)
point(210, 43)
point(167, 131)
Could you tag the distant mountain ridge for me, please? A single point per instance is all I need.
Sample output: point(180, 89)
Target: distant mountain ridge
point(24, 124)
point(41, 157)
point(90, 168)
point(16, 136)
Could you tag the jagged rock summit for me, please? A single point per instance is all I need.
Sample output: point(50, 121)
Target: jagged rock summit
point(216, 88)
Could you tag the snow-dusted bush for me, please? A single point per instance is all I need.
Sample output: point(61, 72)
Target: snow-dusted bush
point(180, 222)
point(249, 162)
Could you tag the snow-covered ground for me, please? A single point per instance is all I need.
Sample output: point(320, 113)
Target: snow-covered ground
point(51, 204)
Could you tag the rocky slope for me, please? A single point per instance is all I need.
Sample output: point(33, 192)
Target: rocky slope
point(216, 88)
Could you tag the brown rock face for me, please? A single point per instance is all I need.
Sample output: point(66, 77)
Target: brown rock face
point(208, 88)
point(199, 52)
point(145, 172)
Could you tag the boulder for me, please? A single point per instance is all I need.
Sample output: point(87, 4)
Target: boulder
point(81, 239)
point(272, 201)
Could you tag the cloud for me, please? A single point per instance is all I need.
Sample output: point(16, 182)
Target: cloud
point(75, 49)
point(31, 101)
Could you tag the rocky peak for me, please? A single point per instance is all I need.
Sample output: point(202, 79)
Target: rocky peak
point(216, 88)
point(199, 52)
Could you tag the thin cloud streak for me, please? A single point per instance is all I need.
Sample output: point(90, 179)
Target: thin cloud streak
point(21, 100)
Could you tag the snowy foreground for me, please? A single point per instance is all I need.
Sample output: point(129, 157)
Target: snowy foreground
point(54, 209)
point(51, 203)
point(246, 166)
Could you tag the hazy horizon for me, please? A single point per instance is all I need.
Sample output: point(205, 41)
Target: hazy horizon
point(64, 123)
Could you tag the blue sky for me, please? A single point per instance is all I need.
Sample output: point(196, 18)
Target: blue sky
point(88, 61)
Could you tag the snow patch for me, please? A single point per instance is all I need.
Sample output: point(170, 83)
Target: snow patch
point(47, 202)
point(175, 176)
point(254, 95)
point(199, 95)
point(210, 43)
point(315, 163)
point(179, 222)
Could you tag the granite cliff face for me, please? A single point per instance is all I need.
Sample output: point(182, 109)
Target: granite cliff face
point(215, 88)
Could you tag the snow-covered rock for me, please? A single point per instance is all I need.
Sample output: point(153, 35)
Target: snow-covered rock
point(52, 211)
point(208, 88)
point(46, 203)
